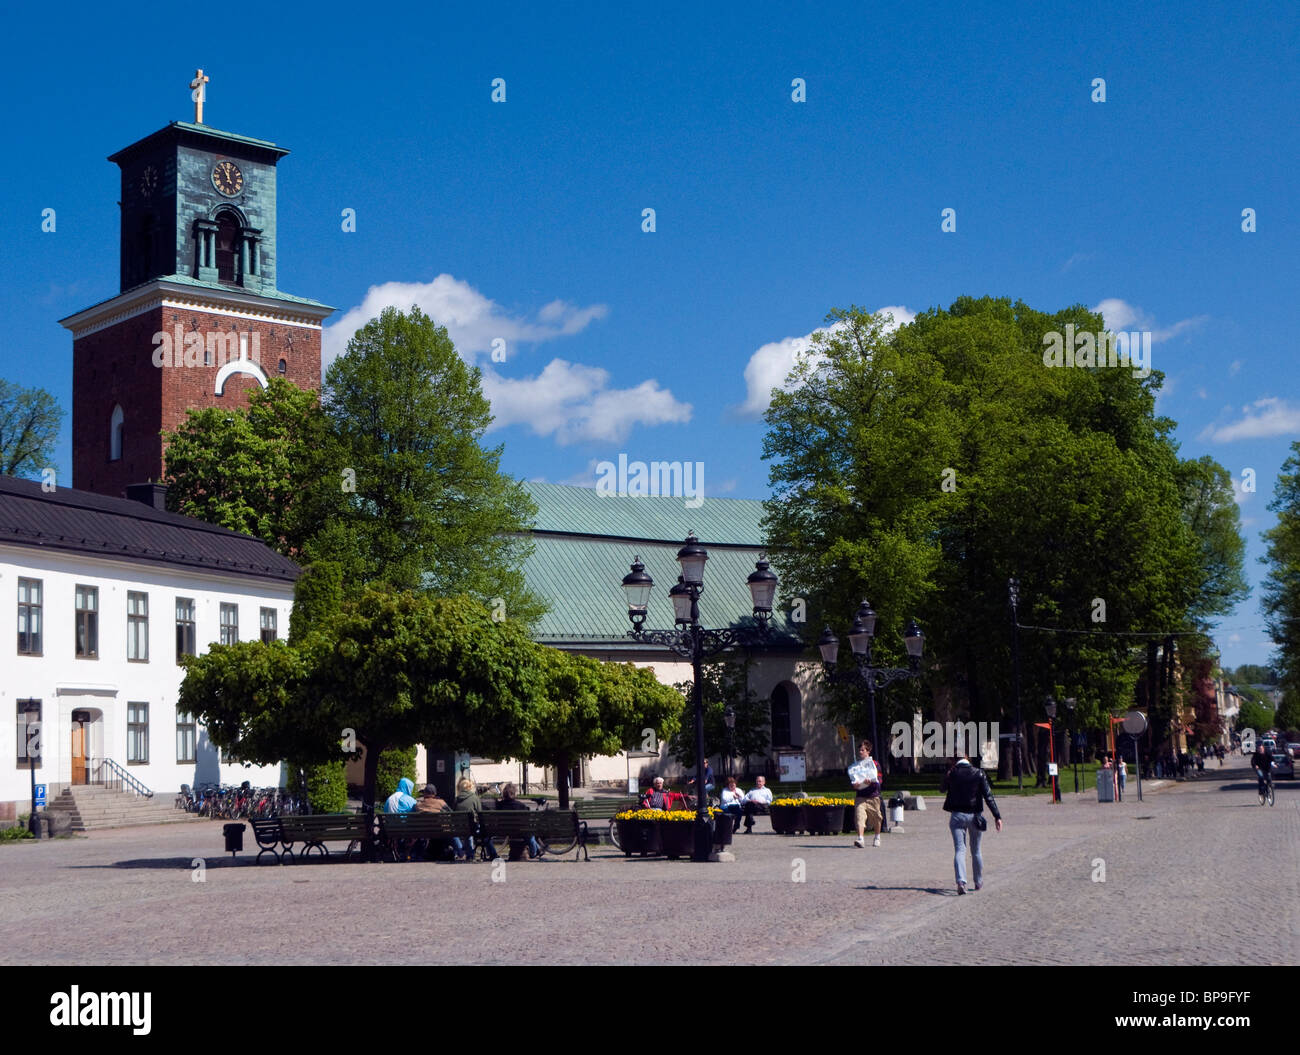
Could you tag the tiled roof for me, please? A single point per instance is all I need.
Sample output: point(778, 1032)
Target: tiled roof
point(80, 522)
point(584, 544)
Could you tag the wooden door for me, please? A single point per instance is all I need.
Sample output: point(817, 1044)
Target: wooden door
point(78, 752)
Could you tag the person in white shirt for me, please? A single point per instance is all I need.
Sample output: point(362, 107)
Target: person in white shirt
point(756, 801)
point(864, 775)
point(732, 802)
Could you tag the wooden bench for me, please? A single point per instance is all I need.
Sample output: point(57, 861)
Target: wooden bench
point(314, 832)
point(395, 827)
point(559, 830)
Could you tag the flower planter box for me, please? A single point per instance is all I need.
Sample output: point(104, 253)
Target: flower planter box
point(639, 837)
point(788, 820)
point(823, 820)
point(677, 838)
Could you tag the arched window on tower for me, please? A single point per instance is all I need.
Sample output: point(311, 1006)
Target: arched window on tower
point(115, 426)
point(227, 247)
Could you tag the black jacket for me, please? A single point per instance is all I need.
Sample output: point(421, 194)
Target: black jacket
point(968, 789)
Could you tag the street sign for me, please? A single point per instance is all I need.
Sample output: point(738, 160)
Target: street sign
point(40, 796)
point(1051, 769)
point(1135, 722)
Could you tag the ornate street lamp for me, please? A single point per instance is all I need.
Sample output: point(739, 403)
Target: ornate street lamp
point(861, 634)
point(696, 643)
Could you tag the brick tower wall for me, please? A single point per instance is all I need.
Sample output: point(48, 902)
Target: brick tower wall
point(116, 366)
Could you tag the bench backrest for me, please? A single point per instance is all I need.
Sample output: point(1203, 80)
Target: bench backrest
point(323, 826)
point(418, 825)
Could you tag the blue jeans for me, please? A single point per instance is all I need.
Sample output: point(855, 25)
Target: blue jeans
point(961, 825)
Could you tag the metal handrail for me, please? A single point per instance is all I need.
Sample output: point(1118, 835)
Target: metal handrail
point(111, 775)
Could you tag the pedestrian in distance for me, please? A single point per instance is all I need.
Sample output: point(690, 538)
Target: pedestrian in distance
point(1121, 776)
point(967, 791)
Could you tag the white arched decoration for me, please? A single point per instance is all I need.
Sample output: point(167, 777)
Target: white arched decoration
point(115, 425)
point(242, 365)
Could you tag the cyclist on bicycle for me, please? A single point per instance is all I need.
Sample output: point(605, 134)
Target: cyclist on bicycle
point(1262, 763)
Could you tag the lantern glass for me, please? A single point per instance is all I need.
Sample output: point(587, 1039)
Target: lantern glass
point(762, 586)
point(637, 586)
point(829, 646)
point(691, 557)
point(681, 598)
point(914, 639)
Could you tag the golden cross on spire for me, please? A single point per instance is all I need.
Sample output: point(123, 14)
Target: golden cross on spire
point(198, 94)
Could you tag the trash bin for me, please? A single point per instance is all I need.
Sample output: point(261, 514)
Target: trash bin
point(896, 809)
point(1105, 785)
point(234, 837)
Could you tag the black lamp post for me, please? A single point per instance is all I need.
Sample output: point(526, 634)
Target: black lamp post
point(694, 642)
point(729, 717)
point(863, 673)
point(1070, 704)
point(1013, 595)
point(1049, 705)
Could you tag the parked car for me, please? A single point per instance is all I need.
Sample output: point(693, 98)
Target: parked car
point(1284, 765)
point(1293, 750)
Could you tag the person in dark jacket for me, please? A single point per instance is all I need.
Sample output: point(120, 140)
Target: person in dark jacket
point(968, 789)
point(509, 801)
point(467, 801)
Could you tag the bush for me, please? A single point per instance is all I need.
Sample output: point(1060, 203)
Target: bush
point(327, 787)
point(18, 832)
point(394, 764)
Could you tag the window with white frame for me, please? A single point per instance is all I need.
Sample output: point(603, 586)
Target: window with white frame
point(137, 627)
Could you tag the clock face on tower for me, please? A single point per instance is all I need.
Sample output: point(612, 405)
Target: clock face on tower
point(227, 178)
point(148, 181)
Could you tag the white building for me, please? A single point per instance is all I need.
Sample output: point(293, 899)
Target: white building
point(98, 596)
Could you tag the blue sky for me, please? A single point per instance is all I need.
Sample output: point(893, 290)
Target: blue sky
point(523, 219)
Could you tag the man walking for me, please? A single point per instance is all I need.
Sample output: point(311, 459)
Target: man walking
point(968, 789)
point(864, 775)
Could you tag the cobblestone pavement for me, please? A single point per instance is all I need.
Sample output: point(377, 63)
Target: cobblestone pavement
point(1190, 864)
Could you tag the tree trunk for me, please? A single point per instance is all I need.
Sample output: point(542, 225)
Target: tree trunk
point(562, 780)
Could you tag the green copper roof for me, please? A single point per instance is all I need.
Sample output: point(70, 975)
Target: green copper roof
point(222, 287)
point(586, 511)
point(585, 543)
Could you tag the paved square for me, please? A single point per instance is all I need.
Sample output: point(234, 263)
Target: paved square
point(1184, 870)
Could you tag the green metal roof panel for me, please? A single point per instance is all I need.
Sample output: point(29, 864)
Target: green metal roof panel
point(581, 579)
point(586, 511)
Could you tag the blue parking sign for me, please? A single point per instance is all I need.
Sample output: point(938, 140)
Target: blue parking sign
point(40, 795)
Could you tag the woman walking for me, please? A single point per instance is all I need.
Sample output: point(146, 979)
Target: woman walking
point(968, 789)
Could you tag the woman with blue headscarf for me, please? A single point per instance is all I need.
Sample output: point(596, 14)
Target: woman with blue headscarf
point(401, 800)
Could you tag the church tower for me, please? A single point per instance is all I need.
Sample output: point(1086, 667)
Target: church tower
point(199, 320)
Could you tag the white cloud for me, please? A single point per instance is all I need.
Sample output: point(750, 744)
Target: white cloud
point(769, 367)
point(1202, 393)
point(472, 320)
point(1234, 367)
point(573, 403)
point(1265, 417)
point(1121, 315)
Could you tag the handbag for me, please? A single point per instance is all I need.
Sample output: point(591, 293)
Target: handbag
point(981, 822)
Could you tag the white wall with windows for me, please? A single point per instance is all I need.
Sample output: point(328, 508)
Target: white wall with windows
point(88, 647)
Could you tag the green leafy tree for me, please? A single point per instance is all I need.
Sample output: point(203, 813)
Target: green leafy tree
point(922, 469)
point(30, 419)
point(1282, 584)
point(1210, 509)
point(593, 708)
point(386, 670)
point(724, 684)
point(1255, 716)
point(272, 470)
point(431, 509)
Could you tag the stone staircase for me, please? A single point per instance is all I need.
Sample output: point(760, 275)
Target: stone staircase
point(88, 806)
